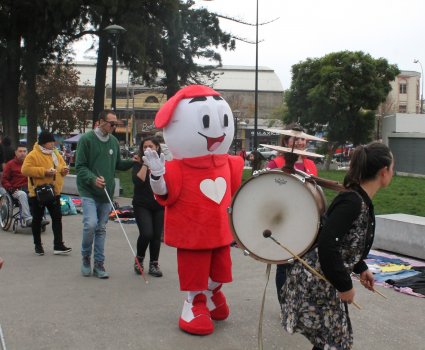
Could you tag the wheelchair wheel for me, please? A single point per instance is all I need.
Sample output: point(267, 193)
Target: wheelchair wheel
point(6, 211)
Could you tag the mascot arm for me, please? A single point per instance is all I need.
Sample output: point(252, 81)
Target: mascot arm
point(159, 187)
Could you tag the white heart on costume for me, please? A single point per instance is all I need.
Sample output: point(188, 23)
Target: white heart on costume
point(214, 189)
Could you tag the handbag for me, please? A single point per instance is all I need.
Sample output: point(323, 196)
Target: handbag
point(45, 193)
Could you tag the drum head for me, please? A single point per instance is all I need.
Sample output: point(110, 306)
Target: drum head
point(281, 203)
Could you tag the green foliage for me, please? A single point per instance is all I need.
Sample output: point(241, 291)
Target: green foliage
point(404, 194)
point(188, 34)
point(340, 91)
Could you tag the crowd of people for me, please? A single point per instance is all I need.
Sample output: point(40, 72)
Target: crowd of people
point(309, 305)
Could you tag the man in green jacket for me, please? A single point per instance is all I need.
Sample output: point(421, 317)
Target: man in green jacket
point(98, 156)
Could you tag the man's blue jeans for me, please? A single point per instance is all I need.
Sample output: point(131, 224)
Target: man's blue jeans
point(95, 218)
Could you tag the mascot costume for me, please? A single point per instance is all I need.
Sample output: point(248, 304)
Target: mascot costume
point(196, 188)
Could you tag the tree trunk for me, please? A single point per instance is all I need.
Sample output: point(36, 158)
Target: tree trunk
point(32, 107)
point(10, 93)
point(100, 83)
point(330, 152)
point(31, 68)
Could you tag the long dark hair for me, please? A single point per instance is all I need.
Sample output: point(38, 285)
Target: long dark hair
point(365, 163)
point(154, 140)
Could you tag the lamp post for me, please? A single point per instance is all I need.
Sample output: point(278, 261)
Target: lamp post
point(114, 31)
point(236, 115)
point(422, 85)
point(256, 83)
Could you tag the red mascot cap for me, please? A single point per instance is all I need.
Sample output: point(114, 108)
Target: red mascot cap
point(164, 115)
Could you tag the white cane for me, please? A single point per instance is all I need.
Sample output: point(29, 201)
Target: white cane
point(125, 234)
point(3, 344)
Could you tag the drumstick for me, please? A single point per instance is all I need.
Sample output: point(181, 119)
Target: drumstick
point(373, 289)
point(268, 234)
point(378, 292)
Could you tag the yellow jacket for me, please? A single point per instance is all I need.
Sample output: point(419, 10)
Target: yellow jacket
point(35, 165)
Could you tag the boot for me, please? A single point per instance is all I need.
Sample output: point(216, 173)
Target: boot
point(154, 269)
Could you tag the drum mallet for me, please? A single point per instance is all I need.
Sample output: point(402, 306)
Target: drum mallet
point(268, 234)
point(125, 234)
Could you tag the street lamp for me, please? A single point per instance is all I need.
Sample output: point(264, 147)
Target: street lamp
point(256, 83)
point(114, 31)
point(236, 115)
point(422, 85)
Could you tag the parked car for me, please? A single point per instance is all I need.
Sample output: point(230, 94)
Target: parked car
point(265, 152)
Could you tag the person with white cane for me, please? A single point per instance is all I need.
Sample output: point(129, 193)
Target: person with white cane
point(98, 156)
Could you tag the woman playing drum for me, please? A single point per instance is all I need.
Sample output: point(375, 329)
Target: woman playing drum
point(316, 308)
point(303, 164)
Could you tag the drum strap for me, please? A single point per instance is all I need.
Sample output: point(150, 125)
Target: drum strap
point(260, 322)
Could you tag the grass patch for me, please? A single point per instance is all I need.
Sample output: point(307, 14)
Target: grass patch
point(404, 195)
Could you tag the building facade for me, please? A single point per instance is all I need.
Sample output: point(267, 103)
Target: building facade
point(405, 135)
point(405, 94)
point(137, 104)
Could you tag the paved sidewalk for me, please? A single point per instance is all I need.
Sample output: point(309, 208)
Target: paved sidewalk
point(46, 304)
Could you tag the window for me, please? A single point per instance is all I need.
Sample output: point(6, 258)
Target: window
point(402, 109)
point(151, 99)
point(403, 88)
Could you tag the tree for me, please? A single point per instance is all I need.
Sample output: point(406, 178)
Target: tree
point(31, 33)
point(63, 106)
point(189, 34)
point(340, 92)
point(137, 48)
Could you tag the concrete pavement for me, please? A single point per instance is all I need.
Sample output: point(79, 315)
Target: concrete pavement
point(46, 304)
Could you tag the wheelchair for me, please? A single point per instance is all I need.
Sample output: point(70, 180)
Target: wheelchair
point(10, 213)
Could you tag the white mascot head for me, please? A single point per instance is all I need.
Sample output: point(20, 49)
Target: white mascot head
point(196, 122)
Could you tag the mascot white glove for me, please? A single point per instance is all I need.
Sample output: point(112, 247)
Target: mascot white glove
point(155, 163)
point(156, 166)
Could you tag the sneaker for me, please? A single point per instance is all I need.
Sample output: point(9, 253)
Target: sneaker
point(39, 250)
point(99, 270)
point(61, 250)
point(136, 266)
point(85, 266)
point(154, 269)
point(28, 223)
point(45, 222)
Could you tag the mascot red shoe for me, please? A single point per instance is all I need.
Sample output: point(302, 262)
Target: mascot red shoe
point(196, 188)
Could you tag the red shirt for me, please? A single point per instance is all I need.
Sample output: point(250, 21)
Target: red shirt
point(12, 176)
point(199, 192)
point(279, 162)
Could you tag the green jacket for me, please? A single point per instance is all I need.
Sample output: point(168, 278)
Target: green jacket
point(98, 158)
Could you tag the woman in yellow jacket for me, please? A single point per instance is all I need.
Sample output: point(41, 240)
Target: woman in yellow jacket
point(44, 165)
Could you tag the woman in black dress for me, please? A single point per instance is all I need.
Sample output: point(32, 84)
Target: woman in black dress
point(316, 308)
point(148, 213)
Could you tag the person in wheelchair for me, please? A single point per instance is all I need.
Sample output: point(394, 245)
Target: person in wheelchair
point(16, 184)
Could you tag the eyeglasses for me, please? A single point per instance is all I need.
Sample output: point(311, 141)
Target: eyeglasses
point(112, 124)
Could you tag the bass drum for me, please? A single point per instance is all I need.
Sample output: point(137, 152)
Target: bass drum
point(284, 204)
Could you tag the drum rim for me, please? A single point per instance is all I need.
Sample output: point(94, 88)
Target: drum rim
point(236, 237)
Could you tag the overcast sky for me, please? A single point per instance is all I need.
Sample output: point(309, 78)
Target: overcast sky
point(391, 29)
